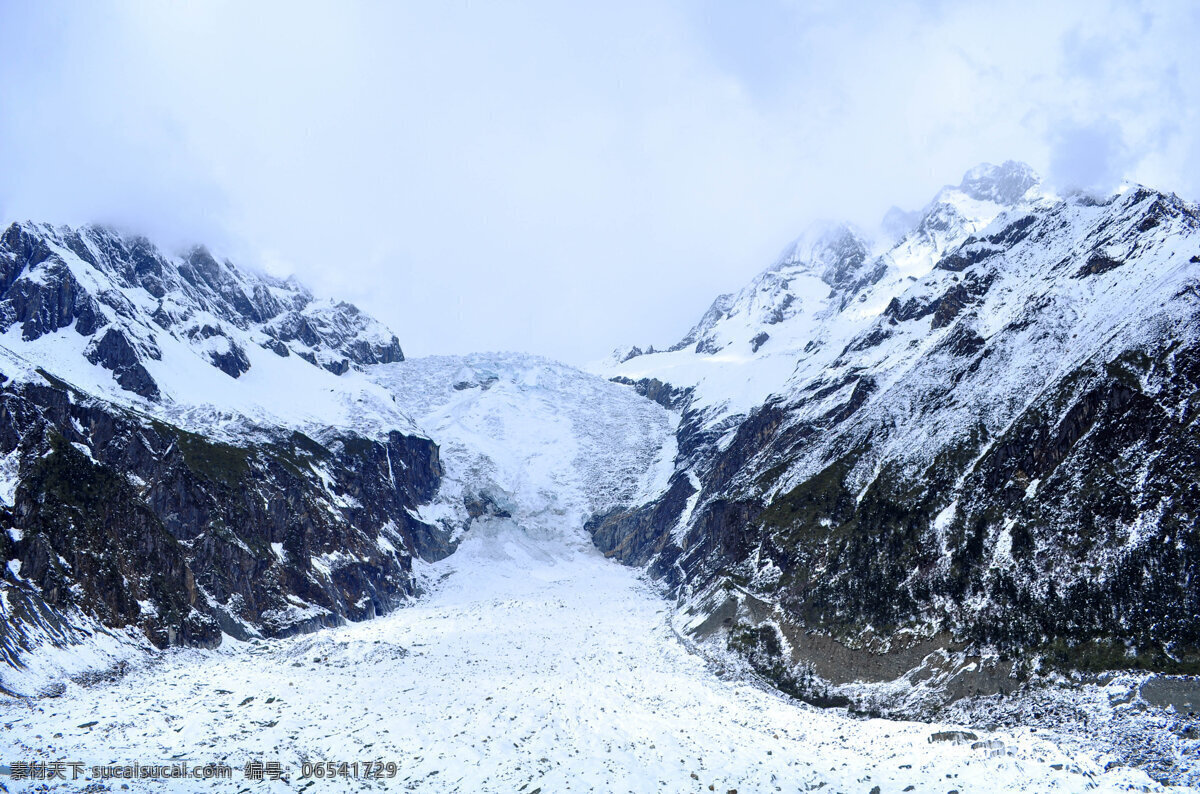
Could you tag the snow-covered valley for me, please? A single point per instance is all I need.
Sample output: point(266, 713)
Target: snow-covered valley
point(529, 661)
point(532, 663)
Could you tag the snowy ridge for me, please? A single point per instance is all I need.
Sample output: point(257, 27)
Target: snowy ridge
point(1029, 311)
point(189, 339)
point(1014, 280)
point(793, 319)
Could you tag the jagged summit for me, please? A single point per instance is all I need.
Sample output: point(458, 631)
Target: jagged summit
point(825, 284)
point(835, 252)
point(102, 273)
point(844, 256)
point(1008, 184)
point(115, 315)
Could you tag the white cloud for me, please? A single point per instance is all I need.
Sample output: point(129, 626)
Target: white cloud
point(559, 178)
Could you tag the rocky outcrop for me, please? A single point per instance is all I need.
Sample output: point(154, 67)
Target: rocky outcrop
point(654, 389)
point(113, 351)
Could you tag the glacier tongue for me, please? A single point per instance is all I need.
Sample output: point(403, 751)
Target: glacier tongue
point(535, 664)
point(530, 439)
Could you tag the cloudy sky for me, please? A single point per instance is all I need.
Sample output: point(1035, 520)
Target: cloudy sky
point(563, 178)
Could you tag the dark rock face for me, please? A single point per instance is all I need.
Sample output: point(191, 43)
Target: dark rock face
point(1097, 264)
point(232, 360)
point(338, 327)
point(113, 351)
point(138, 523)
point(958, 297)
point(1016, 497)
point(844, 252)
point(664, 394)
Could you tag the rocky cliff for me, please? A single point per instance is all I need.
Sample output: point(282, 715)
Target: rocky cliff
point(188, 449)
point(968, 456)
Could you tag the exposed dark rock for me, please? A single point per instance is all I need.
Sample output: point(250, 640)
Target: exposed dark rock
point(277, 347)
point(1098, 263)
point(483, 505)
point(958, 297)
point(664, 394)
point(185, 537)
point(876, 336)
point(963, 341)
point(910, 309)
point(970, 253)
point(845, 252)
point(339, 367)
point(636, 536)
point(1015, 232)
point(232, 360)
point(114, 352)
point(780, 312)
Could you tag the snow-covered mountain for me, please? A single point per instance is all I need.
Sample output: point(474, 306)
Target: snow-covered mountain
point(827, 285)
point(190, 450)
point(191, 339)
point(979, 443)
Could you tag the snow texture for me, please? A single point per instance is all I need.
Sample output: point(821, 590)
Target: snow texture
point(533, 663)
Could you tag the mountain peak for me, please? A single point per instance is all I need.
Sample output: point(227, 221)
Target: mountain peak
point(1004, 184)
point(175, 331)
point(831, 251)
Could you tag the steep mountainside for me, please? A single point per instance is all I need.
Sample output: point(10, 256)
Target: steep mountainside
point(980, 443)
point(187, 448)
